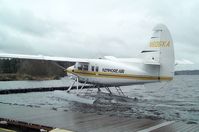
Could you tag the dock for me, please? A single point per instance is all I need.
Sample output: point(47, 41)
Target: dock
point(45, 119)
point(40, 89)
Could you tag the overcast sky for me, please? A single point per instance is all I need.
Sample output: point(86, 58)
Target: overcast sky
point(96, 28)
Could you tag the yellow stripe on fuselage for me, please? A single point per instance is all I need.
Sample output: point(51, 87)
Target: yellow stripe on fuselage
point(113, 75)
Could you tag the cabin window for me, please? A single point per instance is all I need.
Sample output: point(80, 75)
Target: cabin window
point(97, 69)
point(92, 68)
point(85, 67)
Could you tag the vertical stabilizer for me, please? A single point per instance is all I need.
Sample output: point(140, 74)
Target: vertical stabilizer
point(160, 50)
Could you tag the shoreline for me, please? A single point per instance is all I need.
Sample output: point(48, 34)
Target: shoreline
point(20, 77)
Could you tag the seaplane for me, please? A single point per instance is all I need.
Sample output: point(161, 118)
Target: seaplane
point(155, 63)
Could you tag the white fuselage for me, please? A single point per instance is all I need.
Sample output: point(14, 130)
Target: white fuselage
point(115, 73)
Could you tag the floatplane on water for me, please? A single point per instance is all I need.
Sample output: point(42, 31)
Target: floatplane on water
point(156, 64)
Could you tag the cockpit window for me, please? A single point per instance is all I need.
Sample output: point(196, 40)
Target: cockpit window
point(82, 67)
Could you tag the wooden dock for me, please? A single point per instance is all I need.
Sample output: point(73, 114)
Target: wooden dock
point(45, 119)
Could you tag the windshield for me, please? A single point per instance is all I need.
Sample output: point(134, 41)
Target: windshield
point(82, 66)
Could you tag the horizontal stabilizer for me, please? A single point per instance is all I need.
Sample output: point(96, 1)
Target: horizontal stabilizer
point(183, 62)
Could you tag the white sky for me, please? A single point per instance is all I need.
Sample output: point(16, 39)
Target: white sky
point(96, 28)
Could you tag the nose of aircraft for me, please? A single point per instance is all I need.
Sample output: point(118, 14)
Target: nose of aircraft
point(69, 69)
point(70, 72)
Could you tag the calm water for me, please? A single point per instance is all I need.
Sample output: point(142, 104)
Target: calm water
point(175, 100)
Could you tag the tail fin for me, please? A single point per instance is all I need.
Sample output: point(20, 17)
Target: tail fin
point(160, 50)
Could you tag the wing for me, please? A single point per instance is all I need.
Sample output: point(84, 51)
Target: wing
point(41, 57)
point(132, 60)
point(139, 60)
